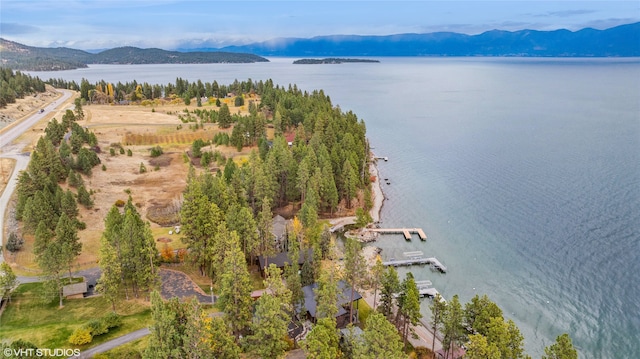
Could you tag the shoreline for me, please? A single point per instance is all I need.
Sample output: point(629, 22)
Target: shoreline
point(376, 190)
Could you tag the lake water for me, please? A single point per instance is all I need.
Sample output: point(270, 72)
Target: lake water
point(524, 173)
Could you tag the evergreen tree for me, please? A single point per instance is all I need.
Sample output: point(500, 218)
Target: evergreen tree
point(376, 279)
point(199, 219)
point(390, 286)
point(323, 340)
point(240, 219)
point(224, 116)
point(111, 276)
point(220, 340)
point(271, 318)
point(349, 182)
point(408, 305)
point(561, 349)
point(235, 290)
point(326, 294)
point(84, 197)
point(52, 259)
point(479, 312)
point(453, 330)
point(438, 309)
point(67, 237)
point(380, 340)
point(354, 270)
point(140, 252)
point(14, 243)
point(479, 348)
point(168, 331)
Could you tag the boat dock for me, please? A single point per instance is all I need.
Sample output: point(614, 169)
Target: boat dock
point(405, 231)
point(432, 261)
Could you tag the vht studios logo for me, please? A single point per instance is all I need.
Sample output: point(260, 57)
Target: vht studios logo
point(19, 353)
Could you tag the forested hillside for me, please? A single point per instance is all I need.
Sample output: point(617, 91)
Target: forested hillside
point(15, 85)
point(21, 57)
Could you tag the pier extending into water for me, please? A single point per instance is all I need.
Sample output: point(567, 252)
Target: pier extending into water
point(405, 231)
point(418, 260)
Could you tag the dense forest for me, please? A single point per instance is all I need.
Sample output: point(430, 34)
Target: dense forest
point(317, 162)
point(16, 85)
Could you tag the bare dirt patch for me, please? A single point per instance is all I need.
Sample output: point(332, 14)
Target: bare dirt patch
point(27, 106)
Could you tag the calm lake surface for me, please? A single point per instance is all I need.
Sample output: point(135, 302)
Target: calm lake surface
point(524, 173)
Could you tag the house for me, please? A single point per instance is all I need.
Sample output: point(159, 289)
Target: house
point(282, 259)
point(279, 231)
point(344, 300)
point(290, 137)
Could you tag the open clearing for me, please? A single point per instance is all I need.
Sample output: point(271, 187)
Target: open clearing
point(138, 129)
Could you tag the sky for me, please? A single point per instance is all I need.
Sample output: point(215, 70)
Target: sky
point(168, 24)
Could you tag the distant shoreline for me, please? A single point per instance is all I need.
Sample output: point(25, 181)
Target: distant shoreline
point(332, 61)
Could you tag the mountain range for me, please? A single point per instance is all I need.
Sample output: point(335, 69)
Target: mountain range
point(622, 40)
point(619, 41)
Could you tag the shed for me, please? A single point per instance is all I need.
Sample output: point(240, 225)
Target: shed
point(75, 290)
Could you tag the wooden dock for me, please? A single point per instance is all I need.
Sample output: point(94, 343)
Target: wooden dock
point(405, 231)
point(432, 261)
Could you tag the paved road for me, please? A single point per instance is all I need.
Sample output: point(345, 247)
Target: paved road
point(114, 343)
point(22, 159)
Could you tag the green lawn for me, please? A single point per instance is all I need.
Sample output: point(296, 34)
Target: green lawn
point(48, 326)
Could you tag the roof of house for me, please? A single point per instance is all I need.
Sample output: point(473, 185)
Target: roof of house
point(344, 297)
point(75, 288)
point(279, 227)
point(290, 137)
point(281, 259)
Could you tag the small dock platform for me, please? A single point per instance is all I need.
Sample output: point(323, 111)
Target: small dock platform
point(405, 231)
point(432, 261)
point(428, 292)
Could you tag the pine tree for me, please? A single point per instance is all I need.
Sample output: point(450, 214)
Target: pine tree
point(67, 237)
point(453, 330)
point(438, 308)
point(376, 279)
point(220, 340)
point(408, 305)
point(390, 286)
point(323, 340)
point(271, 317)
point(380, 340)
point(354, 270)
point(235, 290)
point(562, 349)
point(51, 258)
point(479, 348)
point(199, 219)
point(326, 294)
point(110, 283)
point(240, 219)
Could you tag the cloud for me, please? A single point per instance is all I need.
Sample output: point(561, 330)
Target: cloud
point(11, 28)
point(565, 13)
point(608, 23)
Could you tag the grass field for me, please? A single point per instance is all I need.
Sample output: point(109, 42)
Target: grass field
point(48, 326)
